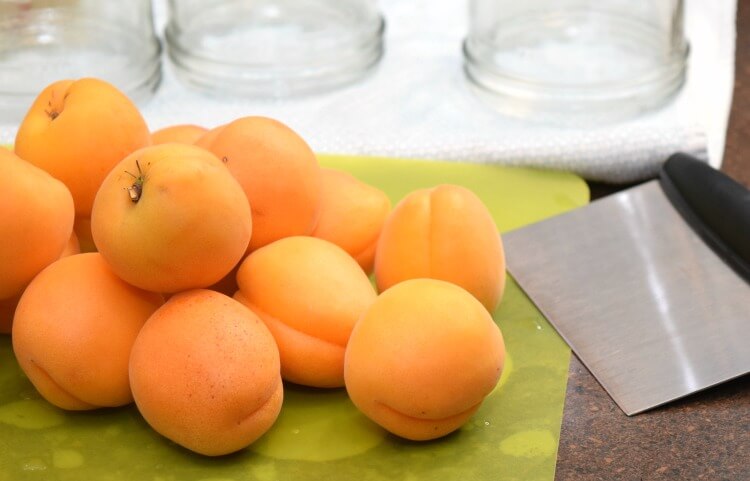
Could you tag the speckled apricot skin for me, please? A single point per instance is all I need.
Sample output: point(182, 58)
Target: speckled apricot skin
point(205, 373)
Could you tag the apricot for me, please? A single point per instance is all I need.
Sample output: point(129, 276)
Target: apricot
point(77, 130)
point(171, 217)
point(443, 233)
point(422, 359)
point(310, 293)
point(181, 133)
point(205, 373)
point(36, 222)
point(352, 213)
point(73, 330)
point(278, 172)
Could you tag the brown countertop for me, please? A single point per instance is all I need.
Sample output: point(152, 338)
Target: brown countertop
point(703, 437)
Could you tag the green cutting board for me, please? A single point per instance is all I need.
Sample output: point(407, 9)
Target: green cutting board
point(319, 434)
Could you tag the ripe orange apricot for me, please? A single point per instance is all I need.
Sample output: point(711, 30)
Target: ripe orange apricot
point(182, 133)
point(77, 130)
point(443, 233)
point(278, 172)
point(422, 358)
point(352, 213)
point(310, 293)
point(73, 330)
point(36, 222)
point(171, 217)
point(205, 373)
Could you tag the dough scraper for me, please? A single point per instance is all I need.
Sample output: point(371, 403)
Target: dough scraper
point(650, 287)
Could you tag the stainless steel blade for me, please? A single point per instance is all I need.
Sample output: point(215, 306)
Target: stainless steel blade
point(646, 305)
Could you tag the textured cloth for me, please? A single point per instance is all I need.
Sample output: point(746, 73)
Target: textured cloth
point(417, 104)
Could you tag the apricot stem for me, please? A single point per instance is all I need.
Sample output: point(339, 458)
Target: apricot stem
point(51, 112)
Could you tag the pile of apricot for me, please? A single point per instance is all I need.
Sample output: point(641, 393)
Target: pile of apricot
point(194, 271)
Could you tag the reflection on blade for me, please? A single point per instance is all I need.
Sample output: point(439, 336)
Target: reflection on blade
point(647, 306)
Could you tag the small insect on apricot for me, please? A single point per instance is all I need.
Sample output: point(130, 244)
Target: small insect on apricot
point(136, 190)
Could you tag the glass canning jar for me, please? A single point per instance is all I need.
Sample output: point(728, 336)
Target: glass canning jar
point(575, 60)
point(273, 48)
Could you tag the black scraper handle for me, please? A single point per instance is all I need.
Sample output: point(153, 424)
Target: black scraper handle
point(716, 206)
